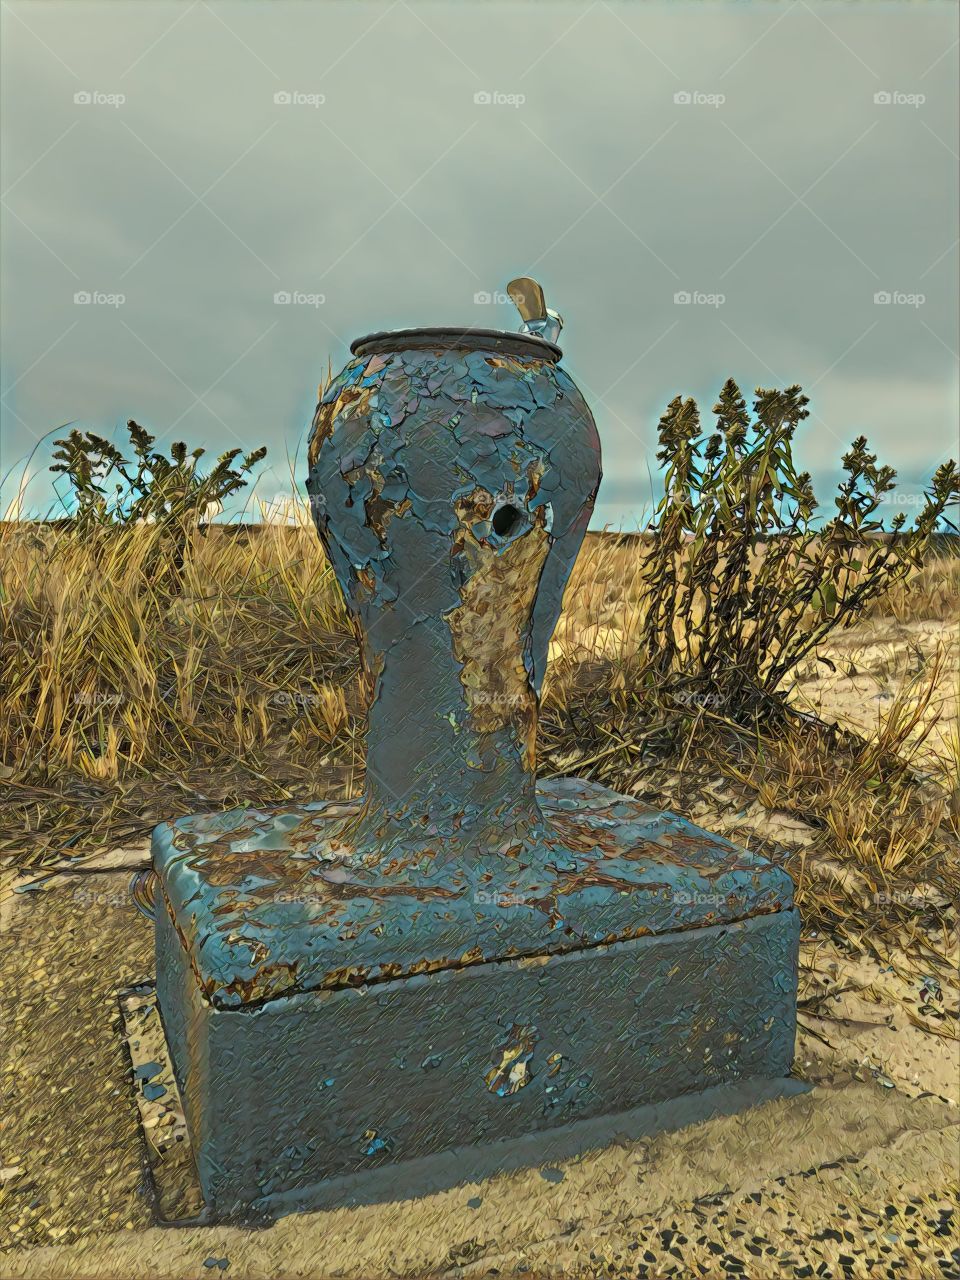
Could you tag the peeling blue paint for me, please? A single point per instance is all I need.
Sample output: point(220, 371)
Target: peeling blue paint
point(543, 951)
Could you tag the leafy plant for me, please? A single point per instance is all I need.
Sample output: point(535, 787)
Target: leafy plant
point(108, 488)
point(739, 585)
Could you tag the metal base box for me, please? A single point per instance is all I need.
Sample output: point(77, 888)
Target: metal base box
point(329, 1023)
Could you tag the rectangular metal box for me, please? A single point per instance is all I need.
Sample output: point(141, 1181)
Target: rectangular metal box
point(287, 1093)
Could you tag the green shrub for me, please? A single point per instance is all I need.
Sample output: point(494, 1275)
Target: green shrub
point(109, 488)
point(740, 584)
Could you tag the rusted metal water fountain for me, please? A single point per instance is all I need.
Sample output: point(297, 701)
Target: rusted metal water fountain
point(362, 997)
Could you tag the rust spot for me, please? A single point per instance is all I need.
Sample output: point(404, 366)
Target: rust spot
point(535, 473)
point(490, 628)
point(270, 980)
point(352, 400)
point(367, 579)
point(348, 976)
point(321, 431)
point(512, 1072)
point(379, 511)
point(519, 368)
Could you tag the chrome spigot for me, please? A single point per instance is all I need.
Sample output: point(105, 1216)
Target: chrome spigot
point(538, 319)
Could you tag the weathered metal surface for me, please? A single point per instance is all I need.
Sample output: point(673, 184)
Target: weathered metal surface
point(462, 954)
point(268, 902)
point(176, 1185)
point(432, 339)
point(287, 1095)
point(451, 487)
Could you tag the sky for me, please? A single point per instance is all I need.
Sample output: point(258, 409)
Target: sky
point(765, 191)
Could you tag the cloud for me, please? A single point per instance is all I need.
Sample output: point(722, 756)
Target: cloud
point(598, 183)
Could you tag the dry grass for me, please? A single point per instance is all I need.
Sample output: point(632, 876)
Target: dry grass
point(132, 691)
point(930, 592)
point(129, 695)
point(113, 669)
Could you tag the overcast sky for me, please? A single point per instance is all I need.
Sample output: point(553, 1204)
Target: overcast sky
point(622, 153)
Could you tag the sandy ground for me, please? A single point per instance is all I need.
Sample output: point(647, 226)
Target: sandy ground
point(873, 666)
point(853, 679)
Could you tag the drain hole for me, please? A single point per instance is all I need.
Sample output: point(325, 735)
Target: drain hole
point(506, 520)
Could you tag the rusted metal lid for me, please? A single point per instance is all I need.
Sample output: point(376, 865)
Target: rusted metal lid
point(519, 344)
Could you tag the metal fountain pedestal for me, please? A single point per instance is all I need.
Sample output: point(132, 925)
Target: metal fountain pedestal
point(463, 967)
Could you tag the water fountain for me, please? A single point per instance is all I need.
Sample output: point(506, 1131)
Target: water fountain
point(463, 963)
